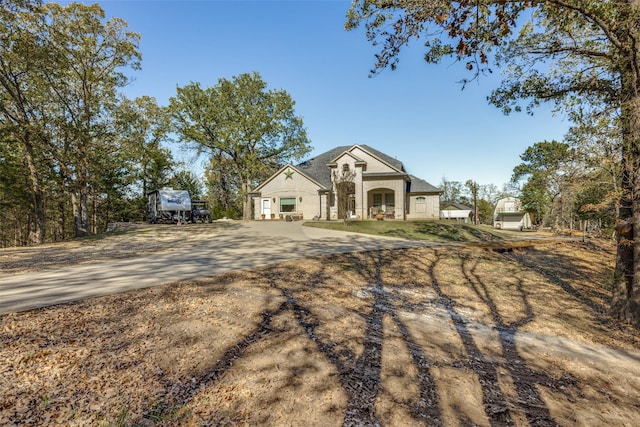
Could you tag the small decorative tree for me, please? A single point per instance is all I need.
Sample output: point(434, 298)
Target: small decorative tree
point(345, 189)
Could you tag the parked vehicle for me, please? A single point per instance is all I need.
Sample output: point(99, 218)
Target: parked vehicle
point(169, 206)
point(176, 207)
point(200, 211)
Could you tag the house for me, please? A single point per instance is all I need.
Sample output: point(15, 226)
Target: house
point(509, 214)
point(374, 183)
point(455, 211)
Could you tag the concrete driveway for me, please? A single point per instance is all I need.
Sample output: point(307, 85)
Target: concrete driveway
point(250, 244)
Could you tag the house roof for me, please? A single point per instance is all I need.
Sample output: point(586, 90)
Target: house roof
point(459, 206)
point(393, 162)
point(418, 185)
point(316, 167)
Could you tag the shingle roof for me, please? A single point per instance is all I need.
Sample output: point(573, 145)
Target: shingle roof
point(456, 205)
point(418, 185)
point(391, 160)
point(316, 168)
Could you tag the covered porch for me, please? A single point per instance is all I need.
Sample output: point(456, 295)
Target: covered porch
point(382, 201)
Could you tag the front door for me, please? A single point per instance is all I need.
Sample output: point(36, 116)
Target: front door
point(352, 206)
point(266, 208)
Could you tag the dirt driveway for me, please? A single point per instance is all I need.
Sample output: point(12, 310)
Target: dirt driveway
point(189, 252)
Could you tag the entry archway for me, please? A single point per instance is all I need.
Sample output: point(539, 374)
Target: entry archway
point(381, 200)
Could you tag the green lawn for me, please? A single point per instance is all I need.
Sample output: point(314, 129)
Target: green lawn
point(434, 230)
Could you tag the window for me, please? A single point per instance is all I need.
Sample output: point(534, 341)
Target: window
point(510, 206)
point(345, 168)
point(389, 200)
point(421, 199)
point(287, 204)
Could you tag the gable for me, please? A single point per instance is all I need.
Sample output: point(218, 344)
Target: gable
point(376, 162)
point(391, 161)
point(343, 159)
point(289, 179)
point(316, 167)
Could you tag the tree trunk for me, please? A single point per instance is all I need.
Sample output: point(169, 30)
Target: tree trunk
point(94, 213)
point(84, 214)
point(36, 232)
point(61, 227)
point(225, 191)
point(246, 205)
point(626, 290)
point(79, 203)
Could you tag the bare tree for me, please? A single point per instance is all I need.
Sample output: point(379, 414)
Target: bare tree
point(345, 190)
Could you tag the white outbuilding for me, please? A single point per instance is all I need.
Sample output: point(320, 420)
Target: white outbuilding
point(509, 214)
point(455, 211)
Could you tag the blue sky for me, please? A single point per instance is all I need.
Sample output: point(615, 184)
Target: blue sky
point(418, 113)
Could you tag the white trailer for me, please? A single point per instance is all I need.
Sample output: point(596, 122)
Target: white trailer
point(168, 205)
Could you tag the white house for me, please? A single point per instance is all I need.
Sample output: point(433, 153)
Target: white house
point(509, 214)
point(380, 184)
point(455, 211)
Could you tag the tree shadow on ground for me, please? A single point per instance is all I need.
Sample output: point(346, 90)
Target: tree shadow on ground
point(560, 274)
point(359, 368)
point(499, 407)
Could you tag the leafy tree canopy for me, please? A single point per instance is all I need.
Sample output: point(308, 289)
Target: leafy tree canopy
point(244, 122)
point(570, 52)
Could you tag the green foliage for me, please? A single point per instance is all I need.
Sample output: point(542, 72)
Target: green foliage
point(60, 68)
point(15, 198)
point(143, 129)
point(468, 31)
point(187, 180)
point(218, 211)
point(536, 198)
point(247, 130)
point(485, 211)
point(223, 185)
point(542, 158)
point(551, 172)
point(594, 202)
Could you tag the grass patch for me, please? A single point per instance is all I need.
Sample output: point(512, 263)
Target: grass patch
point(437, 231)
